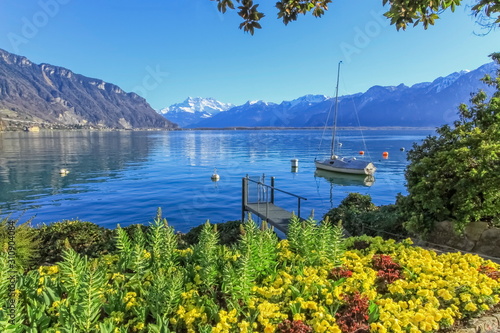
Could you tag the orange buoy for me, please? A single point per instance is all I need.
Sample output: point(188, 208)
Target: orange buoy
point(385, 154)
point(361, 152)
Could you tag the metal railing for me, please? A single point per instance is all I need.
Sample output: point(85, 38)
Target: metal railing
point(265, 194)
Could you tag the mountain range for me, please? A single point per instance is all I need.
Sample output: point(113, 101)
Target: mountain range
point(427, 104)
point(49, 96)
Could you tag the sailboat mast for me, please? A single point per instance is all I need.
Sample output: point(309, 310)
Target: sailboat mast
point(334, 130)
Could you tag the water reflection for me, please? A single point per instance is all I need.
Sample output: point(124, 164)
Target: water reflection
point(344, 179)
point(123, 177)
point(30, 163)
point(336, 179)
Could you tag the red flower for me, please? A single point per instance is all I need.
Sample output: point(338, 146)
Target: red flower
point(296, 326)
point(339, 272)
point(388, 270)
point(489, 272)
point(353, 316)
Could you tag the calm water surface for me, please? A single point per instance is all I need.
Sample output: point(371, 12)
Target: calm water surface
point(123, 177)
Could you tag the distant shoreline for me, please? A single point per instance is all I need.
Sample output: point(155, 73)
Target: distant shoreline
point(307, 128)
point(238, 128)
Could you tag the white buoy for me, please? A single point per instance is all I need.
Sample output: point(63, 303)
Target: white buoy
point(295, 162)
point(402, 148)
point(215, 177)
point(63, 172)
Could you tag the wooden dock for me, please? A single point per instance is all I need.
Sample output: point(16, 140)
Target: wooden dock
point(262, 204)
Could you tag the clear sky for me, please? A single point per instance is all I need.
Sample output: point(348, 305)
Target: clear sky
point(167, 50)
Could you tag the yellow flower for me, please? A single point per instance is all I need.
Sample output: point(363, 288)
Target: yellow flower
point(146, 255)
point(464, 297)
point(470, 307)
point(418, 317)
point(53, 270)
point(444, 294)
point(139, 326)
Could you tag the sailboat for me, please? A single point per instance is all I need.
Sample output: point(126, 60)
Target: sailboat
point(338, 163)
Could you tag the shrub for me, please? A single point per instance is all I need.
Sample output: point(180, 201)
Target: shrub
point(85, 238)
point(229, 233)
point(26, 243)
point(360, 216)
point(454, 176)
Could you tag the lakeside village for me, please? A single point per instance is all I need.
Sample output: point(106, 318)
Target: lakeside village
point(75, 276)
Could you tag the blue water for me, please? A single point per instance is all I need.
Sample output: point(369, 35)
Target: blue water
point(123, 177)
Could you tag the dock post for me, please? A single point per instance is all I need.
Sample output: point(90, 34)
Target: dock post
point(244, 197)
point(272, 190)
point(298, 204)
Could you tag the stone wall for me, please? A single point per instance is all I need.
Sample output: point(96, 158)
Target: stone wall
point(477, 238)
point(487, 324)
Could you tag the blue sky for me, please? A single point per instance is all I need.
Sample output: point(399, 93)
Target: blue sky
point(167, 50)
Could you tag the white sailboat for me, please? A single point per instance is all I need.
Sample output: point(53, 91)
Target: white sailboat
point(338, 163)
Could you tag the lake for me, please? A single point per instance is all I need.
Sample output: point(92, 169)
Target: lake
point(122, 177)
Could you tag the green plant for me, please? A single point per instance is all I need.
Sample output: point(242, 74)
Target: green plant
point(350, 208)
point(317, 243)
point(229, 234)
point(360, 216)
point(85, 238)
point(454, 176)
point(205, 256)
point(83, 282)
point(162, 241)
point(24, 245)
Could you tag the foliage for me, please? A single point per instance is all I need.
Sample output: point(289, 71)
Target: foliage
point(229, 233)
point(352, 317)
point(26, 244)
point(454, 176)
point(85, 238)
point(259, 284)
point(401, 12)
point(293, 326)
point(321, 243)
point(386, 268)
point(490, 272)
point(360, 216)
point(349, 210)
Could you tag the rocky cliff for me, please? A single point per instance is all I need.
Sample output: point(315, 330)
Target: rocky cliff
point(55, 97)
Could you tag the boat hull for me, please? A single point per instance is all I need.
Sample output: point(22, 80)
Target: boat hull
point(350, 166)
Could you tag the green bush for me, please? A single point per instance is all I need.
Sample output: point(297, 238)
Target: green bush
point(25, 241)
point(229, 233)
point(454, 176)
point(349, 210)
point(85, 238)
point(360, 216)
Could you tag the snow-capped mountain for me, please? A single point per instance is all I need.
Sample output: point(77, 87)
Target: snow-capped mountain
point(194, 109)
point(426, 104)
point(260, 113)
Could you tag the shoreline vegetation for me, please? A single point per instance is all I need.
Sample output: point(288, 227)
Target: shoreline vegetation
point(239, 128)
point(234, 277)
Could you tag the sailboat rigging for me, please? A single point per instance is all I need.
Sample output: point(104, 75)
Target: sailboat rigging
point(343, 164)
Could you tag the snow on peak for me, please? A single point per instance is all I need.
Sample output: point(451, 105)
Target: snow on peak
point(197, 105)
point(309, 99)
point(442, 83)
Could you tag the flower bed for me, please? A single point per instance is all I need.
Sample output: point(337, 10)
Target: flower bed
point(315, 281)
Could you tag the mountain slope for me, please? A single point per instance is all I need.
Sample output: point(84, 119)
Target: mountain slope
point(427, 104)
point(51, 96)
